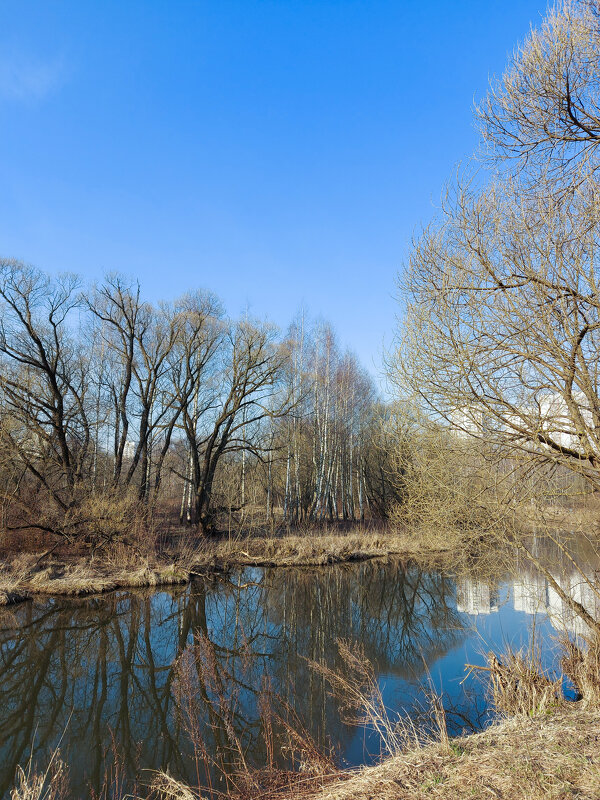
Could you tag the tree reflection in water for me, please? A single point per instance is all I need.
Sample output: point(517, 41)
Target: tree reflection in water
point(83, 672)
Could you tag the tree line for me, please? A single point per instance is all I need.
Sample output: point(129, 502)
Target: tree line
point(110, 404)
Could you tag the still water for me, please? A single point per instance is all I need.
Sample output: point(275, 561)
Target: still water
point(96, 676)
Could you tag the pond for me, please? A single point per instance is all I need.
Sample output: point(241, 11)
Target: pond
point(97, 676)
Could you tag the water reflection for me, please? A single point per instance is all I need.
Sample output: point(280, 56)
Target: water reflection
point(532, 593)
point(475, 597)
point(85, 673)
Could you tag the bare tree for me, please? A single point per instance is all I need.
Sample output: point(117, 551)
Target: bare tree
point(246, 391)
point(502, 336)
point(543, 115)
point(200, 336)
point(109, 404)
point(126, 319)
point(43, 380)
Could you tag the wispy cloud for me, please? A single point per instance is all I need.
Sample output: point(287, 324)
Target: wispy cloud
point(25, 78)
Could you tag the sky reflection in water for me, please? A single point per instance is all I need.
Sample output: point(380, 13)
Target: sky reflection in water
point(83, 672)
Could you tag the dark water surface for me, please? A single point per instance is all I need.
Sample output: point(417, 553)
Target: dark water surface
point(96, 675)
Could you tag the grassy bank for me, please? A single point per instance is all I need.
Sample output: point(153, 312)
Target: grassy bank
point(557, 756)
point(159, 559)
point(27, 574)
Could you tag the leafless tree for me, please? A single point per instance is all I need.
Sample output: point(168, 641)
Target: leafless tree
point(249, 391)
point(43, 380)
point(502, 331)
point(125, 319)
point(109, 402)
point(543, 115)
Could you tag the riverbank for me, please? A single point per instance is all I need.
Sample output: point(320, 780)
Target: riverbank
point(159, 559)
point(522, 758)
point(121, 567)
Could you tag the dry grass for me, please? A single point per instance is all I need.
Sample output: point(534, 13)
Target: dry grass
point(554, 758)
point(547, 748)
point(128, 566)
point(581, 664)
point(167, 788)
point(520, 686)
point(361, 703)
point(551, 758)
point(11, 582)
point(49, 785)
point(308, 549)
point(218, 752)
point(83, 578)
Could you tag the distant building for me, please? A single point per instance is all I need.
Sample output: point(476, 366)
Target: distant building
point(467, 421)
point(556, 420)
point(129, 449)
point(549, 415)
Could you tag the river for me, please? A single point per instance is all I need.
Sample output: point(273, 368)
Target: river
point(96, 677)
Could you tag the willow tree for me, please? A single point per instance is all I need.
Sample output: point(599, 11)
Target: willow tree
point(541, 118)
point(502, 327)
point(44, 410)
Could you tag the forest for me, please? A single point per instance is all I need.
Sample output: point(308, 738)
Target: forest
point(114, 409)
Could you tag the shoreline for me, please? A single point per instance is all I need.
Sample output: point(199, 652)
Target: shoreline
point(520, 758)
point(24, 578)
point(149, 564)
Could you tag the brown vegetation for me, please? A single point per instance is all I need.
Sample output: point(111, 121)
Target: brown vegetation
point(519, 686)
point(581, 664)
point(182, 556)
point(519, 759)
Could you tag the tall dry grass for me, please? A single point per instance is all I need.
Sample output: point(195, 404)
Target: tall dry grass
point(361, 702)
point(519, 685)
point(207, 710)
point(52, 784)
point(581, 664)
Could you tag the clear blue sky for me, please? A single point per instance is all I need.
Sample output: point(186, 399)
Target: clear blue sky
point(277, 152)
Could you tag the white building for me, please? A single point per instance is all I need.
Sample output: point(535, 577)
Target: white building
point(550, 415)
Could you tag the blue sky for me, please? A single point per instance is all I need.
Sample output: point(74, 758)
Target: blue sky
point(278, 152)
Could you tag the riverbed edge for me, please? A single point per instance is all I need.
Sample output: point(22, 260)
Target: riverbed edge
point(27, 575)
point(553, 755)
